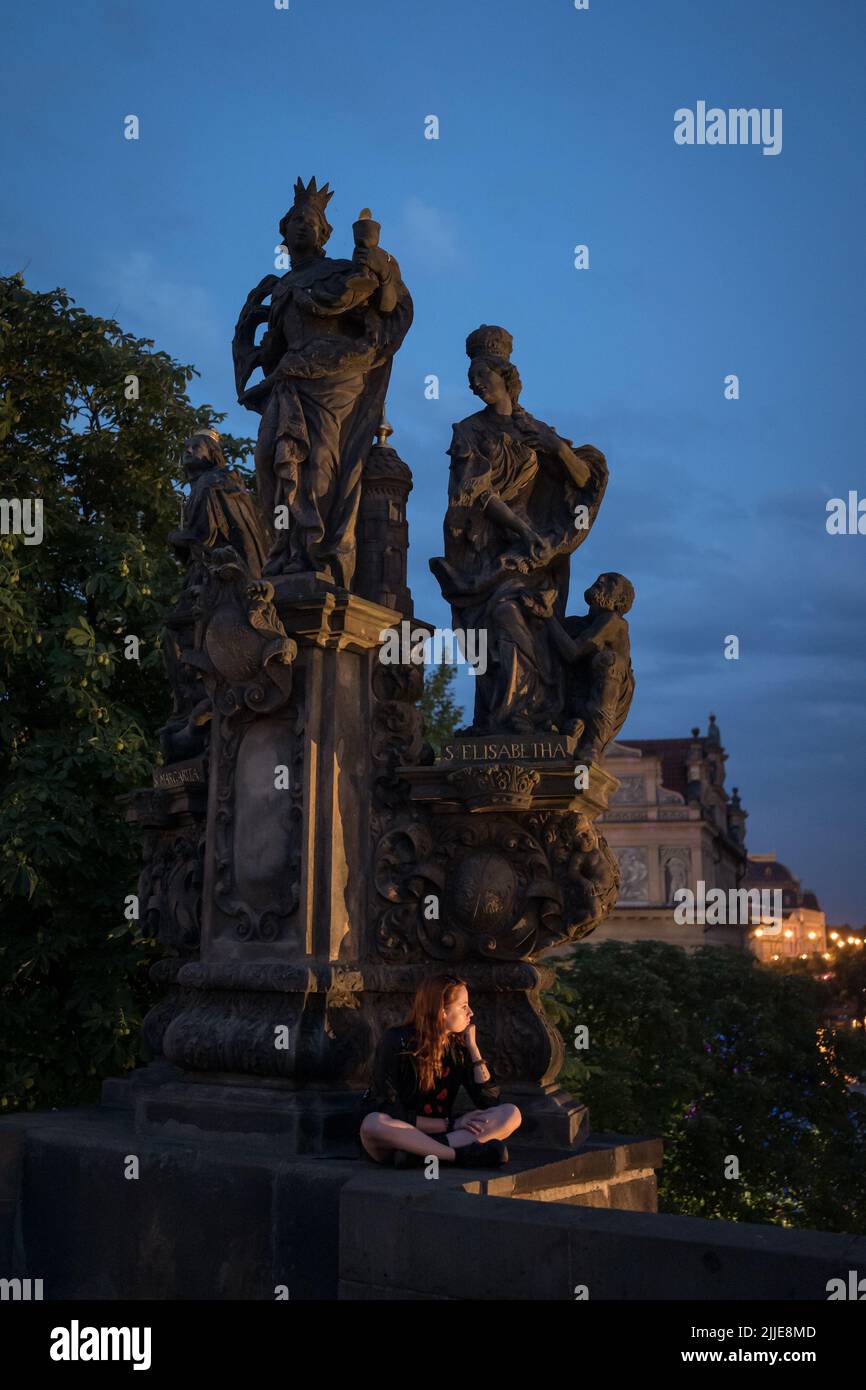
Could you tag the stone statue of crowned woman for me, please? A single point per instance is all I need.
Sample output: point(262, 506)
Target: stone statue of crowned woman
point(333, 327)
point(521, 499)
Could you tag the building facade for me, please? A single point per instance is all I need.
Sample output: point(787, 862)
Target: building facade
point(803, 928)
point(673, 825)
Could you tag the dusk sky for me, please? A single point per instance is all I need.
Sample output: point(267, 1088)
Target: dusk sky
point(556, 129)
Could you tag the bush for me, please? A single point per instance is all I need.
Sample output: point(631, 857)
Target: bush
point(720, 1056)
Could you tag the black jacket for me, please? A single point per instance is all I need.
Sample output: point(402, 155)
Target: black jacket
point(395, 1091)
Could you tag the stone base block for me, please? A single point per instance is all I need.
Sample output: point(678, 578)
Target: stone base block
point(163, 1101)
point(552, 1119)
point(202, 1219)
point(98, 1207)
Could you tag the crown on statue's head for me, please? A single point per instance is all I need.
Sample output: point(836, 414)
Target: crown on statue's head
point(319, 197)
point(209, 433)
point(489, 341)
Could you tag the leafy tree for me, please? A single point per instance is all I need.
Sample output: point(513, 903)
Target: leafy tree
point(442, 714)
point(719, 1055)
point(845, 977)
point(91, 422)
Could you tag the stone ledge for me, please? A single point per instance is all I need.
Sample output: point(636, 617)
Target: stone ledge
point(204, 1220)
point(634, 1193)
point(602, 1158)
point(217, 1220)
point(554, 790)
point(348, 1289)
point(318, 612)
point(212, 1216)
point(435, 1244)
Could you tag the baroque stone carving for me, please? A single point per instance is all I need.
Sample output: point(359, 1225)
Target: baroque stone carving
point(383, 532)
point(677, 869)
point(218, 512)
point(333, 327)
point(634, 873)
point(397, 733)
point(592, 879)
point(630, 789)
point(521, 500)
point(490, 887)
point(599, 676)
point(220, 519)
point(498, 784)
point(246, 661)
point(172, 821)
point(170, 889)
point(397, 739)
point(241, 646)
point(341, 858)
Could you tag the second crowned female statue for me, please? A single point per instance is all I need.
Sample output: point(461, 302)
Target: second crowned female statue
point(521, 499)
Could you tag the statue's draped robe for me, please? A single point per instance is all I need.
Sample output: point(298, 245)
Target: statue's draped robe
point(330, 374)
point(220, 511)
point(524, 685)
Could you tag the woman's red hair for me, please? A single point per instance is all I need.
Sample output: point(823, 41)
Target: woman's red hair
point(427, 1019)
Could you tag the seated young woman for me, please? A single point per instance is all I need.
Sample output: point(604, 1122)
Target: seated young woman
point(418, 1071)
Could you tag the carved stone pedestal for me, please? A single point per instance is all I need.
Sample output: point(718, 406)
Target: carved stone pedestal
point(172, 818)
point(340, 868)
point(274, 994)
point(495, 858)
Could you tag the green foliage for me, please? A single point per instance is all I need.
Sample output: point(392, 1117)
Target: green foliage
point(442, 715)
point(78, 719)
point(845, 977)
point(719, 1055)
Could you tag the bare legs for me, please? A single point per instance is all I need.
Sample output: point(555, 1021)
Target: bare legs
point(379, 1133)
point(499, 1121)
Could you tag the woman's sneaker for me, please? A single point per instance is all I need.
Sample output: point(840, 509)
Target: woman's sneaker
point(493, 1154)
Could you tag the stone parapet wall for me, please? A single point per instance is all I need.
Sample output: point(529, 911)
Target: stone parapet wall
point(432, 1244)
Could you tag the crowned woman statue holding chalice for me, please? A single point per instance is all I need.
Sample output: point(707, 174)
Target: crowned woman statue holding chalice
point(333, 327)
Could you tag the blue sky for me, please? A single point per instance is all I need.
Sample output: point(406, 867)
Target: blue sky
point(556, 128)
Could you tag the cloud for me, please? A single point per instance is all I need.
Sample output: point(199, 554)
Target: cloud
point(169, 311)
point(428, 235)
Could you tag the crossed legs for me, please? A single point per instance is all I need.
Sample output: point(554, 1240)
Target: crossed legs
point(380, 1132)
